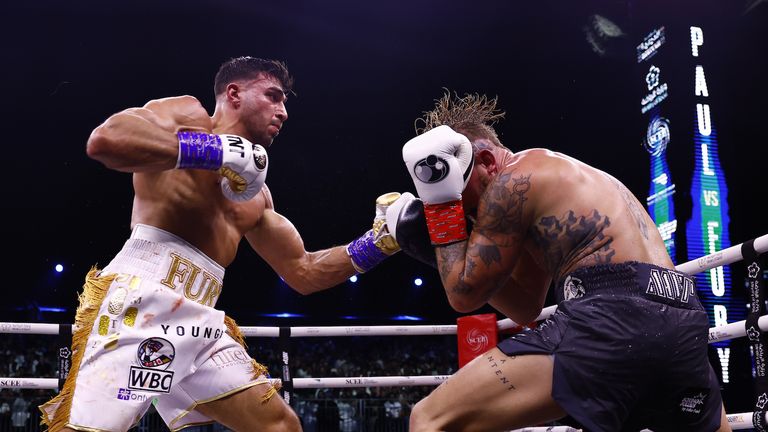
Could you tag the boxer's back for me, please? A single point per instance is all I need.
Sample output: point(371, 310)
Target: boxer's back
point(581, 216)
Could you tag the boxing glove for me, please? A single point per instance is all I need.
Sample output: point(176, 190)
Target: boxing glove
point(408, 227)
point(440, 163)
point(377, 244)
point(242, 164)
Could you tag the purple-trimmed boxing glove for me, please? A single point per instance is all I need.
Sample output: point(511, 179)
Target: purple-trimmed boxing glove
point(242, 164)
point(377, 244)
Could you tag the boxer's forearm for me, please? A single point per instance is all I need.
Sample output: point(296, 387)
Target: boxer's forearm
point(457, 272)
point(278, 242)
point(322, 270)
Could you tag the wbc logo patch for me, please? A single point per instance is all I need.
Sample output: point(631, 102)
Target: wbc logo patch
point(154, 355)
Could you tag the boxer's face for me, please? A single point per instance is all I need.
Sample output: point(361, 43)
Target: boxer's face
point(482, 174)
point(475, 188)
point(263, 109)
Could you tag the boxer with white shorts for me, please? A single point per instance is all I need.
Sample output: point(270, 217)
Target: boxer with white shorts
point(146, 328)
point(154, 335)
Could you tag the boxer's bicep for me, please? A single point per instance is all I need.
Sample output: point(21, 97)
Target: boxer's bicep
point(278, 242)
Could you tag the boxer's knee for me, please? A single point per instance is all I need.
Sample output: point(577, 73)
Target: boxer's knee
point(288, 422)
point(421, 420)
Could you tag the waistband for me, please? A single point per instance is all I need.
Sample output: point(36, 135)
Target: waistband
point(156, 255)
point(631, 278)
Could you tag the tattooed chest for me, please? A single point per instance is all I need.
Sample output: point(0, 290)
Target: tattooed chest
point(568, 240)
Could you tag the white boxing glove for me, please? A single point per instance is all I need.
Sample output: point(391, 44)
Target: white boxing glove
point(242, 164)
point(440, 162)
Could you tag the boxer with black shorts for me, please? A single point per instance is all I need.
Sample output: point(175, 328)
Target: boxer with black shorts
point(146, 328)
point(627, 347)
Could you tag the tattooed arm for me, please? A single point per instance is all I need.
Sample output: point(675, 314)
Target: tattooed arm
point(523, 297)
point(472, 271)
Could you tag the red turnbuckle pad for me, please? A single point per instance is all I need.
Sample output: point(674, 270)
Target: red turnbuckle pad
point(445, 222)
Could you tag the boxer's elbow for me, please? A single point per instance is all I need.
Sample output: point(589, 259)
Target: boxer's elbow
point(462, 298)
point(461, 305)
point(467, 295)
point(98, 146)
point(105, 144)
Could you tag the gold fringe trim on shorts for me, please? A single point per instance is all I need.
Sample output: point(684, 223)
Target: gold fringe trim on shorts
point(94, 291)
point(258, 369)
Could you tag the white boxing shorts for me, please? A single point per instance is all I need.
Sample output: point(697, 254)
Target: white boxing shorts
point(146, 330)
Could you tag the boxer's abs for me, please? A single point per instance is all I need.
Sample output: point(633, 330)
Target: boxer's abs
point(210, 223)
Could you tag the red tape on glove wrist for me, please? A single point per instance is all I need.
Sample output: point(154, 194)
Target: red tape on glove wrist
point(445, 222)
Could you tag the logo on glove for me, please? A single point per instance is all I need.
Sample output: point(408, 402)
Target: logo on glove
point(259, 157)
point(431, 169)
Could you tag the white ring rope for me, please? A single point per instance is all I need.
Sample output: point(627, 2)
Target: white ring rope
point(742, 420)
point(737, 421)
point(723, 257)
point(729, 331)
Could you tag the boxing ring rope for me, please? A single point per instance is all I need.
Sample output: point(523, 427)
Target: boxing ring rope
point(729, 331)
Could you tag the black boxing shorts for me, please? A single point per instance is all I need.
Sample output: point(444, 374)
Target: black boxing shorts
point(629, 343)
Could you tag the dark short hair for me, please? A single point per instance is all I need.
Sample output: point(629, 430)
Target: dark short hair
point(242, 68)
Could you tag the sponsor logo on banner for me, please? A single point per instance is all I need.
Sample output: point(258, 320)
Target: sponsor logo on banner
point(762, 400)
point(753, 269)
point(477, 341)
point(657, 136)
point(652, 77)
point(15, 327)
point(10, 383)
point(155, 354)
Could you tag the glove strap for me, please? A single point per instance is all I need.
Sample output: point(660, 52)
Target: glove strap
point(445, 222)
point(364, 253)
point(199, 150)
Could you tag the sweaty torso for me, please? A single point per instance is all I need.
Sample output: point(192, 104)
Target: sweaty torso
point(189, 204)
point(580, 216)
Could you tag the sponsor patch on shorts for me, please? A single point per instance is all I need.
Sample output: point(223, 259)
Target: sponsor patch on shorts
point(152, 380)
point(694, 401)
point(125, 394)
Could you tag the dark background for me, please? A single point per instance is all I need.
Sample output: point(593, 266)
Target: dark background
point(364, 71)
